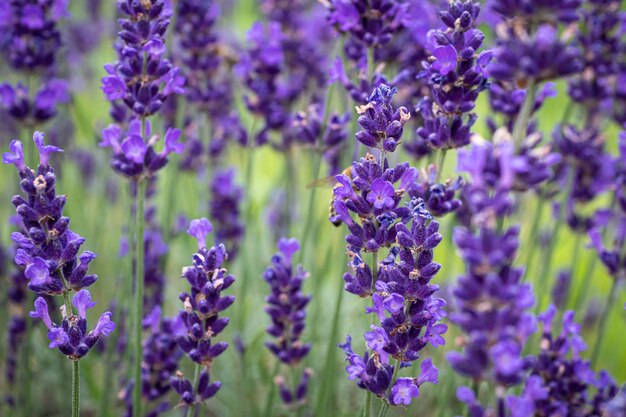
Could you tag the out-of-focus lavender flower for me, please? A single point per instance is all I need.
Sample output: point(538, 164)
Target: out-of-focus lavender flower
point(201, 317)
point(142, 78)
point(29, 35)
point(603, 52)
point(439, 199)
point(133, 152)
point(585, 171)
point(492, 308)
point(561, 289)
point(71, 338)
point(225, 209)
point(282, 61)
point(286, 307)
point(497, 168)
point(307, 127)
point(561, 382)
point(40, 108)
point(47, 248)
point(456, 74)
point(541, 56)
point(538, 11)
point(160, 361)
point(16, 326)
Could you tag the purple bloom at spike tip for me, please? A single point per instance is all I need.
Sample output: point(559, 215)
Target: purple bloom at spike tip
point(46, 247)
point(71, 337)
point(142, 78)
point(455, 78)
point(201, 317)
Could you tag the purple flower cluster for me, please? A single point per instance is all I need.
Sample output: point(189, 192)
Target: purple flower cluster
point(29, 35)
point(561, 382)
point(585, 171)
point(201, 315)
point(47, 248)
point(456, 74)
point(42, 107)
point(492, 306)
point(538, 11)
point(225, 209)
point(133, 156)
point(541, 56)
point(142, 78)
point(286, 306)
point(160, 361)
point(382, 124)
point(604, 52)
point(71, 338)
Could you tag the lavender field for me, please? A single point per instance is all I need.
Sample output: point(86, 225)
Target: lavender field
point(313, 208)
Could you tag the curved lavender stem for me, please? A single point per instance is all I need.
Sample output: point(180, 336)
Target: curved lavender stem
point(521, 124)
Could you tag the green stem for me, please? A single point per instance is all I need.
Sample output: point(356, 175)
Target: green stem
point(139, 291)
point(371, 63)
point(269, 401)
point(521, 124)
point(604, 320)
point(75, 389)
point(573, 269)
point(532, 244)
point(196, 374)
point(584, 290)
point(384, 409)
point(440, 164)
point(367, 404)
point(327, 387)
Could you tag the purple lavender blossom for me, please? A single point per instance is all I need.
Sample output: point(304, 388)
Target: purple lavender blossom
point(286, 307)
point(71, 338)
point(142, 78)
point(47, 248)
point(133, 152)
point(492, 308)
point(456, 74)
point(533, 11)
point(29, 35)
point(542, 56)
point(201, 314)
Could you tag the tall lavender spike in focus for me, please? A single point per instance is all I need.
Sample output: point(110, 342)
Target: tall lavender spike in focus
point(201, 315)
point(286, 306)
point(456, 74)
point(399, 286)
point(47, 248)
point(225, 209)
point(142, 78)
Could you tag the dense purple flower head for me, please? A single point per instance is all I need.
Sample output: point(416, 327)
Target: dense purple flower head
point(492, 308)
point(456, 74)
point(225, 209)
point(29, 35)
point(541, 56)
point(201, 315)
point(142, 78)
point(603, 52)
point(72, 338)
point(46, 247)
point(561, 382)
point(382, 124)
point(533, 11)
point(586, 170)
point(133, 151)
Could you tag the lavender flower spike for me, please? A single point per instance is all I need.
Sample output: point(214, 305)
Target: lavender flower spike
point(200, 317)
point(286, 307)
